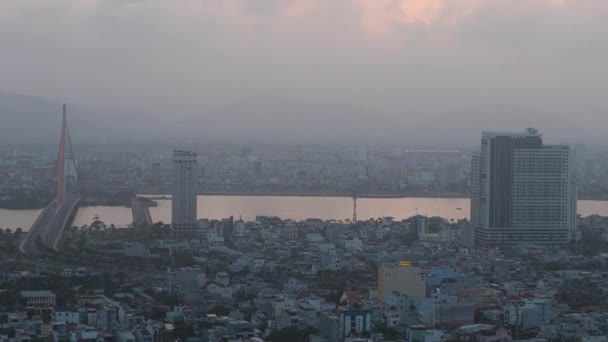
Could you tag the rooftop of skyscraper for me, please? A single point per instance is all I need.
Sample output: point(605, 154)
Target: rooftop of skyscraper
point(183, 153)
point(528, 132)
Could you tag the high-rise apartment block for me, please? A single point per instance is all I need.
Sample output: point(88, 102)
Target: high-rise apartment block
point(157, 177)
point(522, 191)
point(183, 215)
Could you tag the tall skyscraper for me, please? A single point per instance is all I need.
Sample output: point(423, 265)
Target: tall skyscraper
point(157, 177)
point(522, 191)
point(183, 215)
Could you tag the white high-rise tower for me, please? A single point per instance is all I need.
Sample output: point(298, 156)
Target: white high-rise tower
point(522, 191)
point(183, 214)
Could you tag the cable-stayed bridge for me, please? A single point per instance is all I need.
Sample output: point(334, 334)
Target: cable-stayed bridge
point(48, 227)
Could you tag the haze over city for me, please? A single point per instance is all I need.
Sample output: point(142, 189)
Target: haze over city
point(303, 171)
point(417, 72)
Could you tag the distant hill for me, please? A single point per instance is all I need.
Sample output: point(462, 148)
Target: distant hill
point(37, 120)
point(266, 119)
point(34, 119)
point(28, 119)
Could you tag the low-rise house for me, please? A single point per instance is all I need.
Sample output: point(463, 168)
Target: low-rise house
point(67, 315)
point(482, 333)
point(481, 297)
point(39, 298)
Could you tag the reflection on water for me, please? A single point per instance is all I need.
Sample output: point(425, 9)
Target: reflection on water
point(288, 207)
point(14, 219)
point(326, 208)
point(339, 208)
point(119, 216)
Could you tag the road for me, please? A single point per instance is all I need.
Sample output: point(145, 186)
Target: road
point(28, 245)
point(141, 213)
point(49, 226)
point(61, 219)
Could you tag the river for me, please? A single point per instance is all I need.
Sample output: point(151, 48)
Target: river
point(293, 207)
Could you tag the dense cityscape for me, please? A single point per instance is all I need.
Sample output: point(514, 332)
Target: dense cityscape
point(27, 173)
point(303, 171)
point(422, 279)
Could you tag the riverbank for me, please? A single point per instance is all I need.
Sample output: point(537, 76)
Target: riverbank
point(328, 194)
point(123, 201)
point(165, 195)
point(28, 204)
point(218, 207)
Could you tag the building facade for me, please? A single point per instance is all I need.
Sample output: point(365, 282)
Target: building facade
point(43, 299)
point(522, 191)
point(407, 280)
point(183, 215)
point(355, 322)
point(157, 177)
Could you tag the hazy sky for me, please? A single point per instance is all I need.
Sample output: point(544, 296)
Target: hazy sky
point(335, 70)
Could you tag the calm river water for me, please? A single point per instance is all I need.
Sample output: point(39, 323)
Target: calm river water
point(293, 207)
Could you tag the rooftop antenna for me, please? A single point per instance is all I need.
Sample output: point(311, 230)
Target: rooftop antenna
point(66, 163)
point(355, 207)
point(61, 163)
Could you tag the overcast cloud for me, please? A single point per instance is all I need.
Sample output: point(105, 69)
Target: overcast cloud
point(378, 71)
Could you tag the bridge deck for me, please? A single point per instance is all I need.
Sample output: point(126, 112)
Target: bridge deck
point(49, 226)
point(141, 213)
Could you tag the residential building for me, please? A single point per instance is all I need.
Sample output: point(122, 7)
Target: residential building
point(522, 191)
point(185, 279)
point(355, 322)
point(408, 280)
point(290, 232)
point(329, 327)
point(157, 178)
point(183, 214)
point(39, 298)
point(239, 229)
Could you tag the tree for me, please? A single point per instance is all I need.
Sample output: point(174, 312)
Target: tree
point(182, 331)
point(8, 299)
point(158, 225)
point(121, 277)
point(81, 243)
point(592, 243)
point(108, 284)
point(167, 299)
point(553, 266)
point(578, 293)
point(83, 291)
point(220, 310)
point(388, 333)
point(291, 334)
point(183, 259)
